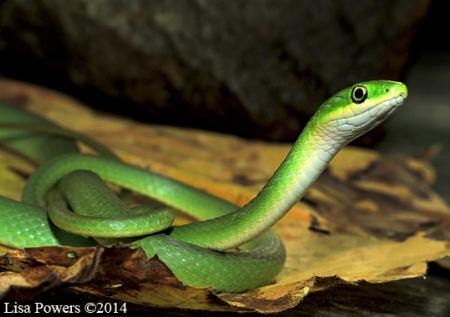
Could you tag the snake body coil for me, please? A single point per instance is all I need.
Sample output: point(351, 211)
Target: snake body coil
point(70, 189)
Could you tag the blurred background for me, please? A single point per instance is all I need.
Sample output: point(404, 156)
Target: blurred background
point(257, 69)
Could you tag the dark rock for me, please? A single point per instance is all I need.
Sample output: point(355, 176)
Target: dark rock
point(255, 68)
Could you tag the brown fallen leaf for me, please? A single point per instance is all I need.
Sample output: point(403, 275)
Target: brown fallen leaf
point(368, 218)
point(25, 274)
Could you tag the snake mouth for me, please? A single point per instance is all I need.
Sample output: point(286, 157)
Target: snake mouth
point(384, 109)
point(388, 107)
point(395, 101)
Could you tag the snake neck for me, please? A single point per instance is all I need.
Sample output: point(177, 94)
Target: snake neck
point(307, 159)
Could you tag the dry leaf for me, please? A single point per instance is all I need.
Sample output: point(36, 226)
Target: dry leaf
point(368, 218)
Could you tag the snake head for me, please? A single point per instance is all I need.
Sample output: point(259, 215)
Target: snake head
point(357, 109)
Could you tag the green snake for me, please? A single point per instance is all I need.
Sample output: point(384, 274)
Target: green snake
point(229, 248)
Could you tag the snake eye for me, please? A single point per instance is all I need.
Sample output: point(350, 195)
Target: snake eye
point(359, 94)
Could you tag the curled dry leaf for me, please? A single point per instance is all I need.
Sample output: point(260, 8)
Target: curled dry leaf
point(368, 218)
point(33, 271)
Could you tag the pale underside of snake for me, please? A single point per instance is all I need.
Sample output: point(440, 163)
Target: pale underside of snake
point(68, 200)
